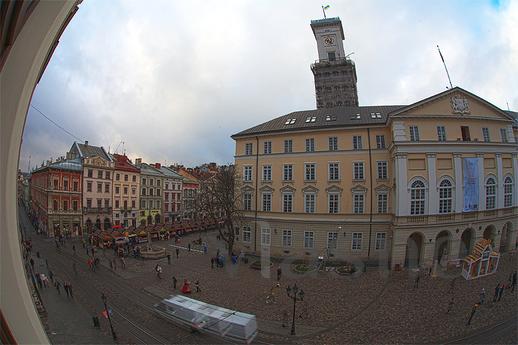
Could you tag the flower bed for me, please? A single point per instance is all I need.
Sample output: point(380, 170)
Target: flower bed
point(302, 268)
point(345, 270)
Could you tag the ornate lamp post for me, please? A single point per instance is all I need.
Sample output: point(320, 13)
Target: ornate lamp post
point(296, 294)
point(103, 297)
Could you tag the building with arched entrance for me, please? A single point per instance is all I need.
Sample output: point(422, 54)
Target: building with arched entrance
point(407, 184)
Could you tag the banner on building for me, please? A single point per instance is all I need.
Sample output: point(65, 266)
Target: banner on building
point(471, 184)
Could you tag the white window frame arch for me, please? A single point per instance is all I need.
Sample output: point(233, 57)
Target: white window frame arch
point(451, 197)
point(413, 202)
point(493, 196)
point(508, 191)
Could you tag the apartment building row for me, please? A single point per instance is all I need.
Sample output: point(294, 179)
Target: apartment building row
point(92, 189)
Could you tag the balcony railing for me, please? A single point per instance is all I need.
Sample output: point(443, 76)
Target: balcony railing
point(69, 211)
point(97, 210)
point(336, 62)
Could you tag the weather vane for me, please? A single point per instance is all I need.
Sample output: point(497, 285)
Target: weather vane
point(324, 8)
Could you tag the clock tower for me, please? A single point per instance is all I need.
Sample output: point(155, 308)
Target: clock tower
point(334, 72)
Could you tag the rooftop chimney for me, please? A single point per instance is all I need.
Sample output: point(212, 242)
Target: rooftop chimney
point(157, 165)
point(86, 142)
point(138, 161)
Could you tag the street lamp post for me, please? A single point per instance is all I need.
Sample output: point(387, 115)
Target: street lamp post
point(103, 297)
point(297, 294)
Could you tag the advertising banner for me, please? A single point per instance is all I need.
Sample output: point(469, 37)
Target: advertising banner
point(470, 170)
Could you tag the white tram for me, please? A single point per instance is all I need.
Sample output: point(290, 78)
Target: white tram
point(226, 323)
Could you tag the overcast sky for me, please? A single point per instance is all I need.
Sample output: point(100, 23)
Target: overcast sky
point(174, 79)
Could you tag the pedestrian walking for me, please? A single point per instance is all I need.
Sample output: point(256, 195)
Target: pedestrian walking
point(86, 250)
point(51, 276)
point(416, 282)
point(158, 270)
point(197, 285)
point(177, 252)
point(189, 247)
point(65, 286)
point(450, 305)
point(70, 290)
point(74, 249)
point(473, 310)
point(58, 287)
point(500, 292)
point(32, 263)
point(38, 255)
point(497, 288)
point(114, 264)
point(174, 282)
point(482, 296)
point(123, 262)
point(279, 273)
point(38, 280)
point(212, 263)
point(168, 259)
point(44, 280)
point(47, 263)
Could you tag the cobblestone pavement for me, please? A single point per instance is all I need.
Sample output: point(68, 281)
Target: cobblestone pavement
point(371, 307)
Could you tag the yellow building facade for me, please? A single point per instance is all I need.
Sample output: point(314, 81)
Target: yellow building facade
point(402, 185)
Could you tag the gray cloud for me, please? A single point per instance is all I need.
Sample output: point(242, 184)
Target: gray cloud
point(174, 80)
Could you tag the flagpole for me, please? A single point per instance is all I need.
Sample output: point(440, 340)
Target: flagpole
point(446, 68)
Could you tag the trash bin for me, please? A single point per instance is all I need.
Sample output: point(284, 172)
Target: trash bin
point(96, 322)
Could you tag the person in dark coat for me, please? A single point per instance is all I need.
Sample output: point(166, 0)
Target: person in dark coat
point(174, 282)
point(279, 273)
point(177, 252)
point(211, 262)
point(58, 287)
point(500, 292)
point(32, 263)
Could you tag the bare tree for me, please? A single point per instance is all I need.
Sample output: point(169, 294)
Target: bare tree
point(220, 201)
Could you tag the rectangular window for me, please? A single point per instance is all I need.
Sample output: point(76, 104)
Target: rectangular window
point(248, 149)
point(76, 186)
point(134, 178)
point(309, 202)
point(247, 173)
point(65, 205)
point(117, 190)
point(309, 172)
point(357, 142)
point(358, 203)
point(332, 239)
point(117, 177)
point(380, 240)
point(99, 187)
point(287, 202)
point(151, 182)
point(106, 202)
point(107, 175)
point(310, 145)
point(382, 202)
point(106, 187)
point(485, 134)
point(151, 191)
point(380, 141)
point(333, 143)
point(65, 184)
point(143, 191)
point(247, 234)
point(116, 203)
point(286, 238)
point(143, 204)
point(334, 172)
point(132, 203)
point(265, 236)
point(356, 241)
point(143, 181)
point(99, 174)
point(125, 190)
point(90, 173)
point(75, 205)
point(288, 146)
point(89, 203)
point(414, 133)
point(267, 173)
point(503, 135)
point(333, 202)
point(267, 147)
point(382, 170)
point(267, 202)
point(441, 133)
point(247, 201)
point(358, 171)
point(309, 239)
point(465, 133)
point(288, 172)
point(89, 186)
point(126, 177)
point(99, 203)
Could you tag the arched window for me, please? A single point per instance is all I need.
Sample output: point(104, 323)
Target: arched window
point(490, 194)
point(417, 198)
point(445, 197)
point(508, 192)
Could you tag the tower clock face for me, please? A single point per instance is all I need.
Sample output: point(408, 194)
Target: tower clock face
point(329, 40)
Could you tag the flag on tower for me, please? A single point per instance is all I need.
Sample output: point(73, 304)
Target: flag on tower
point(326, 7)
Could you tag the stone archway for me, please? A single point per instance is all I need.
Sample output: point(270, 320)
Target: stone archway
point(467, 240)
point(442, 247)
point(506, 237)
point(490, 234)
point(414, 250)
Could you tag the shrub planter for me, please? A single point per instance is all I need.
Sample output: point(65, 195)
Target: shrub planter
point(345, 270)
point(302, 268)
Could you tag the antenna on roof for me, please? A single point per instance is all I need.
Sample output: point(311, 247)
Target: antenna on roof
point(446, 68)
point(507, 105)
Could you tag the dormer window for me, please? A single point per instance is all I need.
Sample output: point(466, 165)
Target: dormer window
point(311, 119)
point(355, 117)
point(330, 118)
point(290, 121)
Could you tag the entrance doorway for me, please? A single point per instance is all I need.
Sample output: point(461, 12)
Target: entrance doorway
point(414, 250)
point(467, 241)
